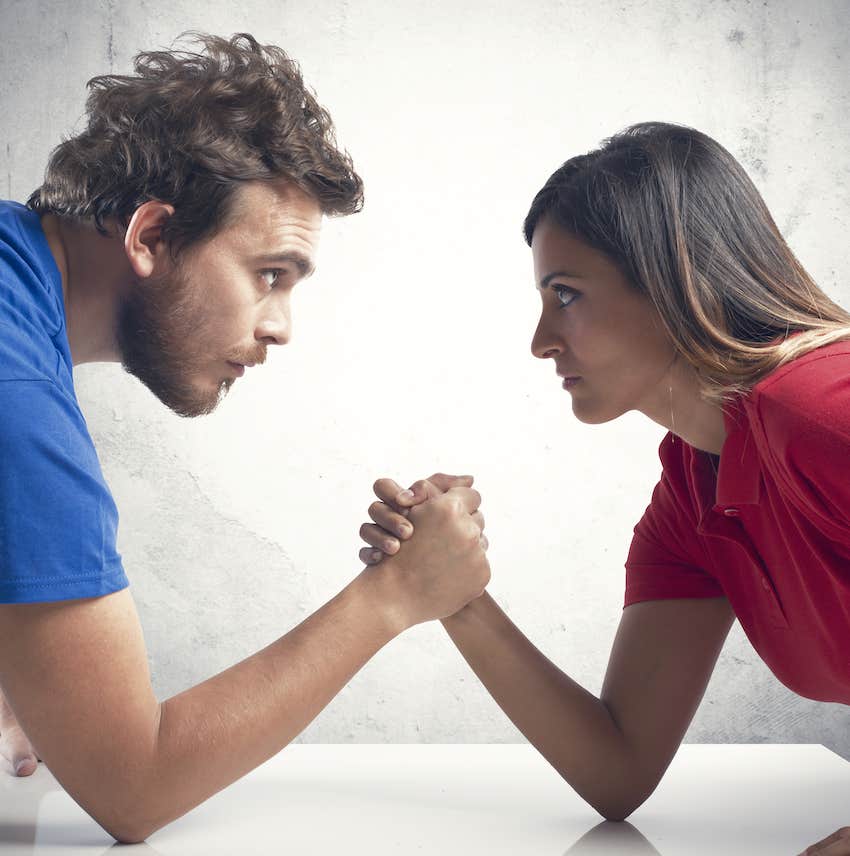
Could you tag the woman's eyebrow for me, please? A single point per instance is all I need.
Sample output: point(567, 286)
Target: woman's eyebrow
point(544, 283)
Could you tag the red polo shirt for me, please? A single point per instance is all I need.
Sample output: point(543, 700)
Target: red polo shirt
point(771, 532)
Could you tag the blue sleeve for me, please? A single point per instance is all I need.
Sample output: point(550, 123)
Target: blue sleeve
point(58, 521)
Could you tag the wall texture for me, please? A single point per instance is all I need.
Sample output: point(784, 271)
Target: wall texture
point(411, 348)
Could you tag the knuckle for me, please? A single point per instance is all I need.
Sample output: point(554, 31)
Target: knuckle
point(442, 506)
point(364, 530)
point(375, 508)
point(454, 504)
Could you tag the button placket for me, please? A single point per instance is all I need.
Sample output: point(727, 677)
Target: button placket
point(726, 526)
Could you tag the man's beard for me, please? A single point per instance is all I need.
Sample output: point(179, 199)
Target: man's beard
point(161, 336)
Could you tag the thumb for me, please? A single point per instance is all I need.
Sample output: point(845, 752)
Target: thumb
point(418, 492)
point(18, 751)
point(25, 765)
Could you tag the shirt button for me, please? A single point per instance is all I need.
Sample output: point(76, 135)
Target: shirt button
point(730, 512)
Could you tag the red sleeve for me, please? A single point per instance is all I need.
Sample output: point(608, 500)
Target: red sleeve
point(666, 557)
point(803, 426)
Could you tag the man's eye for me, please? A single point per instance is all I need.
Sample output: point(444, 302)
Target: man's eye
point(565, 295)
point(270, 277)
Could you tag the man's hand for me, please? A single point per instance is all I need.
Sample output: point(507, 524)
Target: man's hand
point(391, 515)
point(444, 566)
point(15, 746)
point(837, 844)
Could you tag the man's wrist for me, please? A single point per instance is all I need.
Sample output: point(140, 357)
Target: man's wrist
point(378, 586)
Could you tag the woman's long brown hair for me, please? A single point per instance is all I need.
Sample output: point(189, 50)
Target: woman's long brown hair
point(687, 226)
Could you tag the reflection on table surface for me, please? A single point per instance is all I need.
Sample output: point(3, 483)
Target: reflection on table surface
point(464, 799)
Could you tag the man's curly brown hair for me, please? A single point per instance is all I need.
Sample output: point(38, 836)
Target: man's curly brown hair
point(187, 129)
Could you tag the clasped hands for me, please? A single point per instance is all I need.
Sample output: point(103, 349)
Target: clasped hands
point(444, 565)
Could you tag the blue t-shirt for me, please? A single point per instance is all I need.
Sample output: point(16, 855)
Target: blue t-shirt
point(58, 521)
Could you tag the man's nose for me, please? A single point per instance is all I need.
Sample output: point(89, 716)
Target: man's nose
point(275, 325)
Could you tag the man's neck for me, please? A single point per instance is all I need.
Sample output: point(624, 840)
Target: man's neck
point(95, 273)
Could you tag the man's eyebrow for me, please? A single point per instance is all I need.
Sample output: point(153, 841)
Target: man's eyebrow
point(303, 263)
point(544, 283)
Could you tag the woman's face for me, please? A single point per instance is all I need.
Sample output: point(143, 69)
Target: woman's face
point(598, 329)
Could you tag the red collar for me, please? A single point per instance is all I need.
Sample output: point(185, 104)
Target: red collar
point(739, 476)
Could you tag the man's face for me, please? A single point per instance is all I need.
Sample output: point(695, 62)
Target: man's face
point(190, 330)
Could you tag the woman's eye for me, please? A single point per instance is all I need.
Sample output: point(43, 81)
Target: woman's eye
point(270, 277)
point(565, 295)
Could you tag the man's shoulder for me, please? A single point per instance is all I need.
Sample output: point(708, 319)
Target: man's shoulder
point(31, 311)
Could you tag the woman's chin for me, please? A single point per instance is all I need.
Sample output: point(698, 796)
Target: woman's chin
point(585, 412)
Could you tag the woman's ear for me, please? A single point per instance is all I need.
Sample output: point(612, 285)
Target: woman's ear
point(143, 242)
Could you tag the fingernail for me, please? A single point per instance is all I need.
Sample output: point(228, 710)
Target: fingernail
point(376, 555)
point(406, 494)
point(20, 765)
point(404, 530)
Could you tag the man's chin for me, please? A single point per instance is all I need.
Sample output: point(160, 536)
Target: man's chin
point(197, 401)
point(186, 399)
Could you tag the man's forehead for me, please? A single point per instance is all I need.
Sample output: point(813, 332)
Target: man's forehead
point(270, 220)
point(275, 201)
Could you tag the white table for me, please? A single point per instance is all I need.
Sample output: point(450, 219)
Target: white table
point(354, 800)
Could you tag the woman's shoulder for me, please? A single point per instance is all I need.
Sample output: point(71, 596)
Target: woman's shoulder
point(805, 401)
point(800, 419)
point(813, 382)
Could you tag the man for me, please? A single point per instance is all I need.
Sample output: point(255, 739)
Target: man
point(169, 235)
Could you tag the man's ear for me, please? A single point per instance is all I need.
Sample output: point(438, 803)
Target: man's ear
point(143, 241)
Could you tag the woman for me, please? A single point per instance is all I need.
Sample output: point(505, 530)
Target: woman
point(667, 288)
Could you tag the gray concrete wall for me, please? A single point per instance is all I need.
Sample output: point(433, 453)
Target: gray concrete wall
point(237, 526)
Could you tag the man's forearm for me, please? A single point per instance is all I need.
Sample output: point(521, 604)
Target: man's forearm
point(568, 725)
point(217, 731)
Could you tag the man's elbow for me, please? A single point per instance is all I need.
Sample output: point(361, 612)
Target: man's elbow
point(130, 836)
point(127, 829)
point(124, 832)
point(129, 821)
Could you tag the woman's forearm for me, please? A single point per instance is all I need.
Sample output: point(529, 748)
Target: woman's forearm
point(570, 726)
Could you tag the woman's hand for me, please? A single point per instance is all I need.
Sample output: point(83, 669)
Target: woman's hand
point(837, 844)
point(391, 514)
